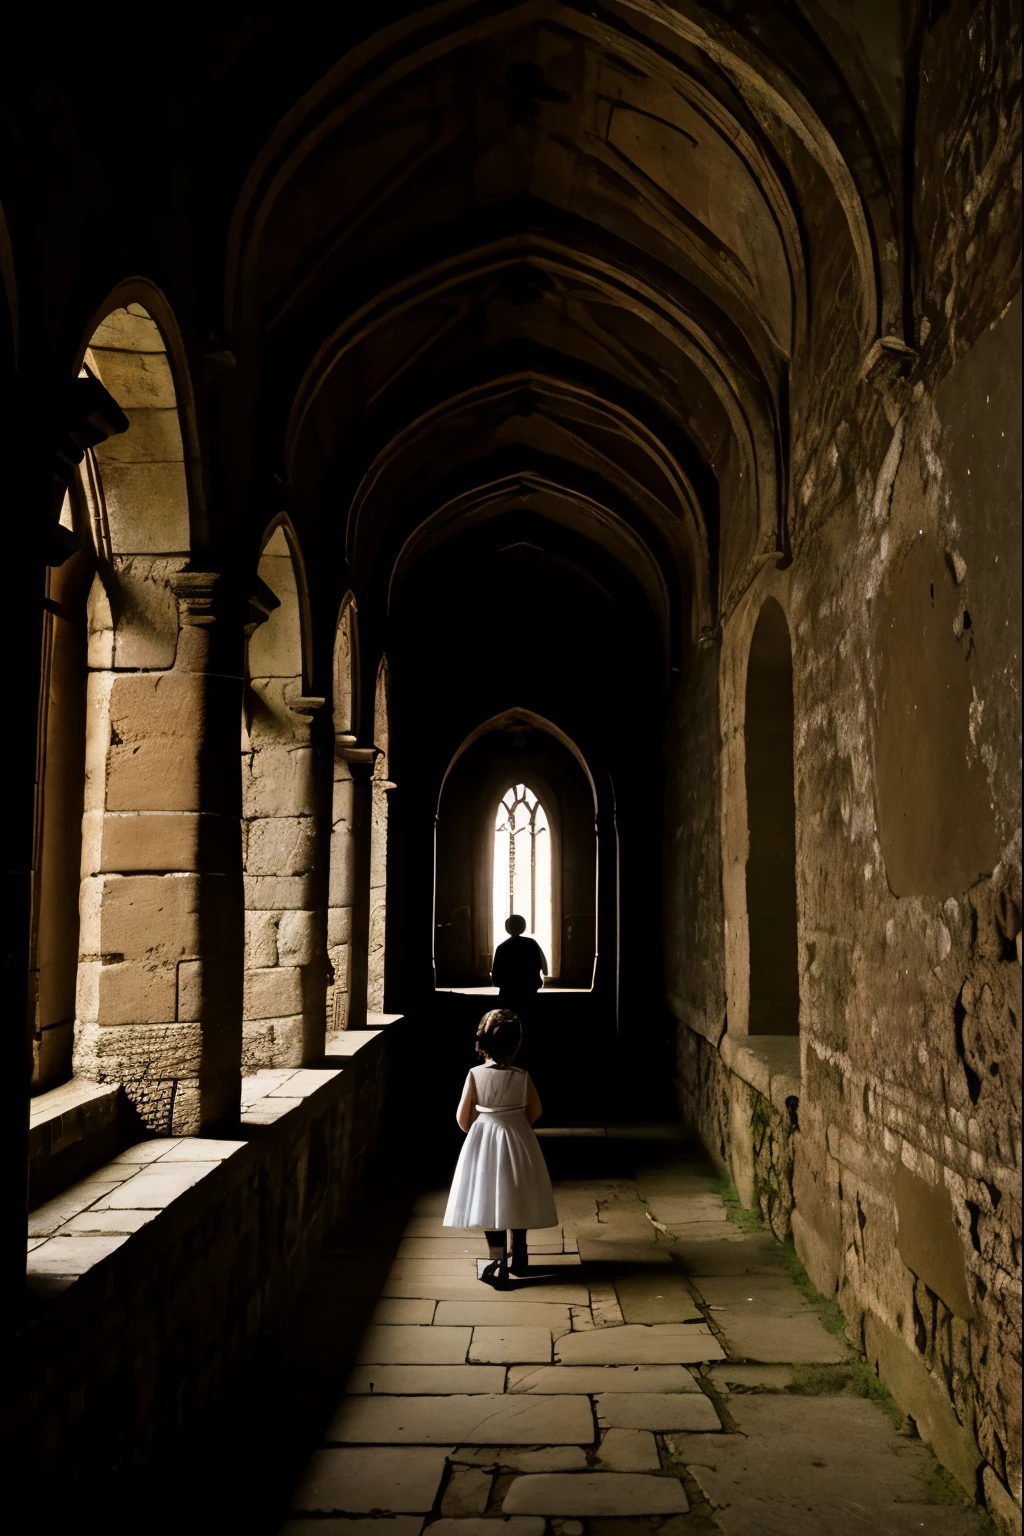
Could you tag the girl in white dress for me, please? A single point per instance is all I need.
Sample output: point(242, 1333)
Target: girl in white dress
point(501, 1181)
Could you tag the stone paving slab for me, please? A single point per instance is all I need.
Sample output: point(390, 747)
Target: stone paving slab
point(805, 1466)
point(595, 1494)
point(513, 1458)
point(728, 1252)
point(628, 1450)
point(607, 1251)
point(47, 1219)
point(398, 1344)
point(442, 1247)
point(402, 1309)
point(798, 1340)
point(646, 1298)
point(600, 1378)
point(640, 1344)
point(774, 1293)
point(72, 1255)
point(477, 1420)
point(675, 1210)
point(424, 1380)
point(499, 1312)
point(157, 1185)
point(97, 1223)
point(467, 1492)
point(453, 1266)
point(395, 1478)
point(659, 1412)
point(508, 1346)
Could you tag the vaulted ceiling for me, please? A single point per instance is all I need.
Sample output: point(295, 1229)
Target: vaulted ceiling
point(586, 267)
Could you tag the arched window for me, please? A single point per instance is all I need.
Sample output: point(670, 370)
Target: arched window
point(522, 866)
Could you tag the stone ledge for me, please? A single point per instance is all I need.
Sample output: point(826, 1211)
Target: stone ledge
point(768, 1063)
point(72, 1129)
point(182, 1249)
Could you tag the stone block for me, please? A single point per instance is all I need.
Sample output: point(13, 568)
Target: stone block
point(278, 781)
point(339, 923)
point(273, 1043)
point(475, 1420)
point(126, 994)
point(154, 918)
point(297, 938)
point(153, 437)
point(380, 1479)
point(595, 1494)
point(138, 841)
point(161, 489)
point(280, 845)
point(136, 379)
point(157, 722)
point(278, 893)
point(261, 940)
point(273, 993)
point(190, 991)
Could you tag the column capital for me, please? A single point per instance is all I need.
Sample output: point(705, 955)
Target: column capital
point(195, 593)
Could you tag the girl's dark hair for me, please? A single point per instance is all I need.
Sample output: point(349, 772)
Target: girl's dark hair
point(499, 1034)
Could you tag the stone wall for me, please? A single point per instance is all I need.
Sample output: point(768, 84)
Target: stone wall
point(902, 591)
point(134, 1351)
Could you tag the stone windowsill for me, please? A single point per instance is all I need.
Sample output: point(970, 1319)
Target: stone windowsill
point(69, 1235)
point(769, 1063)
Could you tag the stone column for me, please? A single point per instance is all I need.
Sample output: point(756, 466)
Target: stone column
point(160, 975)
point(285, 970)
point(348, 918)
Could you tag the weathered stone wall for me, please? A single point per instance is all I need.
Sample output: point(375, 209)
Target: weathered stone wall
point(904, 603)
point(136, 1353)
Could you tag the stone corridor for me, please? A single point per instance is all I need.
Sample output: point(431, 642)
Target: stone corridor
point(660, 1369)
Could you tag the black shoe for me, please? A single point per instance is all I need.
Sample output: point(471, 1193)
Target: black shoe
point(496, 1274)
point(520, 1264)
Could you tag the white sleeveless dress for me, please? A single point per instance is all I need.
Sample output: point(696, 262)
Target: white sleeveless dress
point(501, 1179)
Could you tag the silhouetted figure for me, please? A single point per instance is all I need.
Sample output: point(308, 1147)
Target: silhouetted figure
point(518, 968)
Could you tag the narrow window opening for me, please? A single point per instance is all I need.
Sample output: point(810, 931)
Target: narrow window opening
point(522, 866)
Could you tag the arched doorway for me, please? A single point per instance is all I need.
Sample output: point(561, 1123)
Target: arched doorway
point(516, 829)
point(771, 821)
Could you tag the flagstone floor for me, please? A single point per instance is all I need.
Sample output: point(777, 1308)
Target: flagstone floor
point(658, 1370)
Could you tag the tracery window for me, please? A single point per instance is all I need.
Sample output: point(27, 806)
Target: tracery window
point(522, 866)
